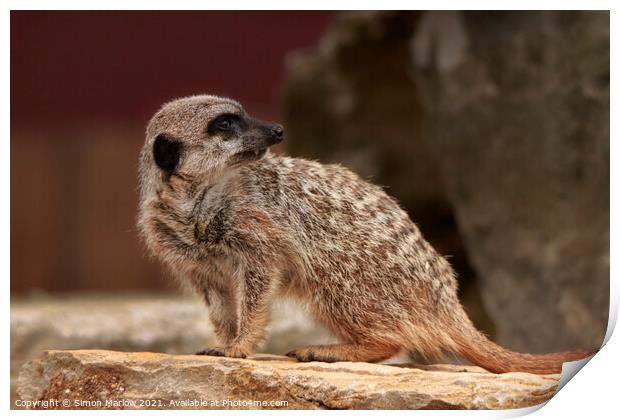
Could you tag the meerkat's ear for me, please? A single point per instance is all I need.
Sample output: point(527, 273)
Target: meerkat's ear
point(167, 152)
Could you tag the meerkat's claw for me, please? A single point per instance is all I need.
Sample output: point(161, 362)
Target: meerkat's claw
point(223, 352)
point(209, 352)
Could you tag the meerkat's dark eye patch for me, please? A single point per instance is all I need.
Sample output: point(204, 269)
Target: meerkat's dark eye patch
point(225, 123)
point(167, 152)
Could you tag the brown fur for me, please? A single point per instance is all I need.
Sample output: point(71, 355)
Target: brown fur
point(244, 231)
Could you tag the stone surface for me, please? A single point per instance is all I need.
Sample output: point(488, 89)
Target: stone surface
point(517, 107)
point(169, 324)
point(166, 381)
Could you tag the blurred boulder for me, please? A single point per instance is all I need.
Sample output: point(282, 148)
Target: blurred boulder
point(106, 379)
point(517, 115)
point(353, 101)
point(492, 131)
point(160, 323)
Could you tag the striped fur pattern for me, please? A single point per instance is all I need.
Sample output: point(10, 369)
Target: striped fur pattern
point(244, 227)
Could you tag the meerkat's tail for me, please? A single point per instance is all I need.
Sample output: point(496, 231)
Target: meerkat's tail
point(477, 348)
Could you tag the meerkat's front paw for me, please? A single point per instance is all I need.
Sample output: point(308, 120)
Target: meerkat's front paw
point(228, 351)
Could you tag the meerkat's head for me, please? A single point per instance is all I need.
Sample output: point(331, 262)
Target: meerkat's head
point(199, 137)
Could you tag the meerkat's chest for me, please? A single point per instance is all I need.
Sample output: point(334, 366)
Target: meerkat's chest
point(169, 234)
point(187, 235)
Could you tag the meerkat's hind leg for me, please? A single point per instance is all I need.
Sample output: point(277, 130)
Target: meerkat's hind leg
point(345, 352)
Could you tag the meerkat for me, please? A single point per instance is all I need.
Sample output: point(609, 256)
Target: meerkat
point(244, 226)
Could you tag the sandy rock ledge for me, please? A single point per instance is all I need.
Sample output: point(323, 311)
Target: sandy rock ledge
point(107, 379)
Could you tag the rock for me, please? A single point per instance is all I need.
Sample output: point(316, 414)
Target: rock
point(170, 324)
point(126, 380)
point(517, 107)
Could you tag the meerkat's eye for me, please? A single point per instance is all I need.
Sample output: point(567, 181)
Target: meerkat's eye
point(223, 123)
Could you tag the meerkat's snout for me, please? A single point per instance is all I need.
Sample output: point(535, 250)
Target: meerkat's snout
point(257, 136)
point(277, 131)
point(264, 132)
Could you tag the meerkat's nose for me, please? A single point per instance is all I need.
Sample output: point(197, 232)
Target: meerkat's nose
point(278, 132)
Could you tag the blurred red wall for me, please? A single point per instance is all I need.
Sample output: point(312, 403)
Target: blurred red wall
point(68, 66)
point(83, 85)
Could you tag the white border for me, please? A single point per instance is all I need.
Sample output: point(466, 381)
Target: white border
point(592, 393)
